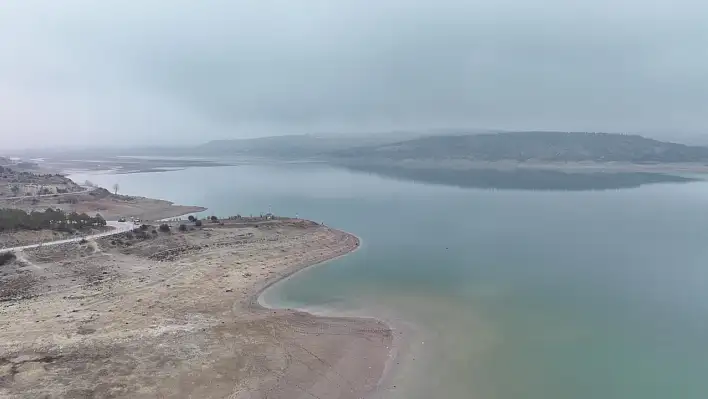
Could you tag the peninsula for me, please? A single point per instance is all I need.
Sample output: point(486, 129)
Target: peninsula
point(171, 310)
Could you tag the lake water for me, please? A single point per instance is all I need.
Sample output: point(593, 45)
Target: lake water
point(509, 293)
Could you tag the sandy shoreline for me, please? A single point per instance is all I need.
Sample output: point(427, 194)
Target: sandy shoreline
point(254, 301)
point(85, 312)
point(256, 304)
point(72, 316)
point(401, 332)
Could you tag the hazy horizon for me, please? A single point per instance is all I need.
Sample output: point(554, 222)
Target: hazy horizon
point(386, 137)
point(77, 73)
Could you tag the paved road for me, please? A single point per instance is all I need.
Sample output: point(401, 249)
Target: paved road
point(119, 227)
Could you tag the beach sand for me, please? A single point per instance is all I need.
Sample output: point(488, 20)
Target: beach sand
point(176, 315)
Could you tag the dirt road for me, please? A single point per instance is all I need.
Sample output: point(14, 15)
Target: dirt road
point(118, 228)
point(170, 315)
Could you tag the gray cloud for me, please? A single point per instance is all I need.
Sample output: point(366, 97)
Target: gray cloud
point(179, 71)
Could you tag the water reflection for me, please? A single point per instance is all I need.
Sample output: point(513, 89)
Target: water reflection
point(523, 179)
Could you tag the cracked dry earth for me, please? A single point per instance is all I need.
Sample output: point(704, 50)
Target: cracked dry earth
point(172, 315)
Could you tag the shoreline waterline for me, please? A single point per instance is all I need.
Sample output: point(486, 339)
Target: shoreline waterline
point(254, 299)
point(257, 303)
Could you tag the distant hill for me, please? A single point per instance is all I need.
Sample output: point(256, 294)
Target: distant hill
point(297, 146)
point(532, 146)
point(268, 146)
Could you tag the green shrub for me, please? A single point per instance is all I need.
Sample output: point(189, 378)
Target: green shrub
point(164, 227)
point(6, 257)
point(54, 219)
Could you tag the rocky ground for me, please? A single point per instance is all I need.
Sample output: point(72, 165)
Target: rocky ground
point(102, 201)
point(28, 237)
point(14, 183)
point(171, 314)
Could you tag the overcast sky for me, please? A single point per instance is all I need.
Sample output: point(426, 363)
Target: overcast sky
point(74, 72)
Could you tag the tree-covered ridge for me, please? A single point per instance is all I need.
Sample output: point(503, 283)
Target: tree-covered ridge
point(54, 219)
point(536, 146)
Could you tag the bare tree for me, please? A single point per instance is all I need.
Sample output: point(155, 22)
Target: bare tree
point(115, 188)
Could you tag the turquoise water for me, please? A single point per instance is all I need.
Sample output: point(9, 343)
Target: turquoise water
point(511, 294)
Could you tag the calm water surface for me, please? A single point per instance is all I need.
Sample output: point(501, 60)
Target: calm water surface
point(513, 294)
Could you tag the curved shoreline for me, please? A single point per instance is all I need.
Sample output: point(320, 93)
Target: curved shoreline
point(261, 287)
point(195, 295)
point(255, 305)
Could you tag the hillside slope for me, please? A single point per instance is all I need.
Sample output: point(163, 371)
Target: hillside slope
point(534, 146)
point(299, 146)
